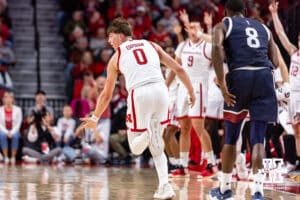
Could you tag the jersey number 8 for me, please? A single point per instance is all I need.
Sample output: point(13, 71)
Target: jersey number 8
point(252, 40)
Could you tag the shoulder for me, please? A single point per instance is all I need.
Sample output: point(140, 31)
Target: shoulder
point(17, 108)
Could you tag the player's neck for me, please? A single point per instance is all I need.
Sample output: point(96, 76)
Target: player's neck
point(195, 41)
point(128, 39)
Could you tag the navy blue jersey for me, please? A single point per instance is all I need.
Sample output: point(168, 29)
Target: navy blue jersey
point(246, 43)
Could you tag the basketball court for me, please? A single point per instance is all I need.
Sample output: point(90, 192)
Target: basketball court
point(35, 182)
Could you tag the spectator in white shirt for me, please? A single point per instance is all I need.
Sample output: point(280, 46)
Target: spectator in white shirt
point(10, 123)
point(65, 127)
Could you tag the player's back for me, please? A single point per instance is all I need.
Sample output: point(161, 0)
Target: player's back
point(139, 62)
point(246, 43)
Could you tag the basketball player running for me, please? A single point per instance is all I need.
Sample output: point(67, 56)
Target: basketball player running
point(249, 87)
point(292, 50)
point(139, 61)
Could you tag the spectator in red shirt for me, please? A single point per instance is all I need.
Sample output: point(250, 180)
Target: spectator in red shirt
point(118, 9)
point(159, 34)
point(86, 61)
point(96, 21)
point(4, 30)
point(99, 68)
point(142, 21)
point(10, 123)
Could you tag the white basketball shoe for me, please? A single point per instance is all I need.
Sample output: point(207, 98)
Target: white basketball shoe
point(164, 192)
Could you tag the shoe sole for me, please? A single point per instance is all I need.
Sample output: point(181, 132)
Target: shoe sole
point(208, 197)
point(168, 197)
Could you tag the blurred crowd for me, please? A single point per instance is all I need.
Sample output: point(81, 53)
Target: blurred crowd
point(7, 57)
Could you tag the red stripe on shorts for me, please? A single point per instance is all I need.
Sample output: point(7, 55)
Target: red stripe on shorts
point(201, 103)
point(134, 129)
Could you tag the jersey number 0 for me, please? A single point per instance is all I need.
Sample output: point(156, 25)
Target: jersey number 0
point(140, 56)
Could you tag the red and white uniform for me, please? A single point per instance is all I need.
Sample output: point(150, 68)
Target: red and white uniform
point(148, 95)
point(195, 59)
point(215, 102)
point(295, 88)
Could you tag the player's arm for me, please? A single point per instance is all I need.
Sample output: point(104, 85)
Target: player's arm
point(273, 53)
point(218, 60)
point(106, 95)
point(170, 78)
point(184, 17)
point(282, 67)
point(289, 47)
point(168, 61)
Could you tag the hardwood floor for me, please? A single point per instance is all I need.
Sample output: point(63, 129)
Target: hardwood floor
point(35, 182)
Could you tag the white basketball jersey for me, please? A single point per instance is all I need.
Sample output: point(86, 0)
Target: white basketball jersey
point(139, 62)
point(195, 59)
point(295, 72)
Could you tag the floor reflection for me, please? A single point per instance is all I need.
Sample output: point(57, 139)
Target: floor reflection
point(98, 183)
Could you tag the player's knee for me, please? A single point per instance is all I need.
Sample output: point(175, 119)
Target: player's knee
point(257, 132)
point(135, 150)
point(232, 132)
point(157, 149)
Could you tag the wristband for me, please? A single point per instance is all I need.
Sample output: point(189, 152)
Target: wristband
point(94, 118)
point(199, 34)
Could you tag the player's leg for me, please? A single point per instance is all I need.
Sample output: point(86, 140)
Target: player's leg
point(257, 134)
point(241, 169)
point(238, 82)
point(296, 128)
point(198, 125)
point(185, 129)
point(156, 145)
point(171, 144)
point(138, 117)
point(263, 108)
point(185, 140)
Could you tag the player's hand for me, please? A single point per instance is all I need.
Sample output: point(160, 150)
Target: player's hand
point(88, 122)
point(208, 19)
point(228, 97)
point(273, 7)
point(192, 99)
point(184, 17)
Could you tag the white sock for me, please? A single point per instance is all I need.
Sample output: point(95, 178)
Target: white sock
point(225, 182)
point(202, 157)
point(172, 160)
point(161, 166)
point(184, 156)
point(210, 157)
point(258, 183)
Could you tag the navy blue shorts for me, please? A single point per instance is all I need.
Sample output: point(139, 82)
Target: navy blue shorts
point(255, 93)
